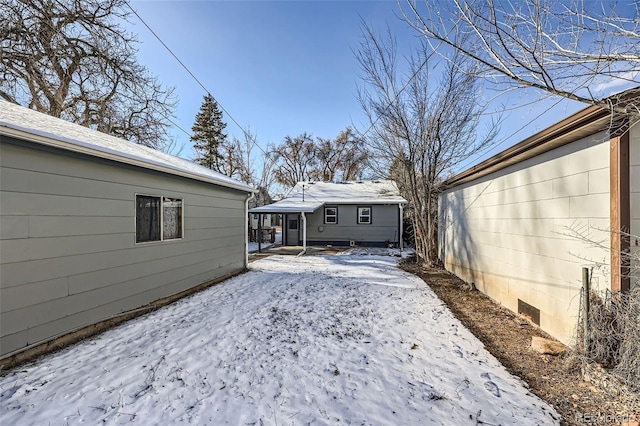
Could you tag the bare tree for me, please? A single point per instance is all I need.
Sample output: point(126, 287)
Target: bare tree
point(233, 160)
point(341, 159)
point(421, 126)
point(73, 60)
point(581, 50)
point(295, 159)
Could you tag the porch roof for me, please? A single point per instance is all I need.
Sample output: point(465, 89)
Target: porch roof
point(289, 206)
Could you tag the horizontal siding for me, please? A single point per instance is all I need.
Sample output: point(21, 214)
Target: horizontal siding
point(508, 232)
point(39, 161)
point(384, 226)
point(69, 256)
point(18, 273)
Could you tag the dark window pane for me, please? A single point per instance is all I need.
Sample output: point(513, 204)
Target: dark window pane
point(147, 218)
point(293, 223)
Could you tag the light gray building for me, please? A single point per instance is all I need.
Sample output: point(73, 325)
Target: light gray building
point(361, 213)
point(92, 226)
point(509, 224)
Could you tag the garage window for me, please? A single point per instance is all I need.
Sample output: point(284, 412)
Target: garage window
point(158, 218)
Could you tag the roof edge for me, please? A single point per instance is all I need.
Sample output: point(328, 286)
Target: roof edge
point(24, 134)
point(555, 136)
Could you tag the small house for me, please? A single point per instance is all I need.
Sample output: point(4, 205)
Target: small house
point(92, 227)
point(359, 213)
point(522, 224)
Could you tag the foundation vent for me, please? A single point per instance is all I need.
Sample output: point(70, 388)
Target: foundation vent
point(531, 312)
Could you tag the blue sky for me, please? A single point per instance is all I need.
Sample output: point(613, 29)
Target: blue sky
point(286, 67)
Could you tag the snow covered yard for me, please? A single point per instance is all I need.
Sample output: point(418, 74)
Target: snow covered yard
point(325, 340)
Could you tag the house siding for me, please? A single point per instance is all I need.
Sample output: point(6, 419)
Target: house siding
point(69, 256)
point(383, 227)
point(507, 231)
point(634, 200)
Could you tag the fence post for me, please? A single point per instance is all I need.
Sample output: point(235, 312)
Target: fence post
point(585, 308)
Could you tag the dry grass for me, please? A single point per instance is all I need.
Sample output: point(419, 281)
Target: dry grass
point(581, 392)
point(614, 331)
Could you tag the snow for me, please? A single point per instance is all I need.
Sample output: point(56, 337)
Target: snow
point(253, 247)
point(38, 124)
point(321, 340)
point(310, 196)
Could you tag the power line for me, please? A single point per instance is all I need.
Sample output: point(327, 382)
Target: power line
point(150, 105)
point(491, 146)
point(246, 133)
point(395, 98)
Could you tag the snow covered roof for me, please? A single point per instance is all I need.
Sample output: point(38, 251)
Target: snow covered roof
point(23, 123)
point(310, 196)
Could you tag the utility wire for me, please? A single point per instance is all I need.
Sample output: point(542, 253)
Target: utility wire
point(395, 98)
point(246, 133)
point(464, 165)
point(164, 115)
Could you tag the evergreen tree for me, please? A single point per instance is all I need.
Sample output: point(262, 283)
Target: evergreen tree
point(208, 136)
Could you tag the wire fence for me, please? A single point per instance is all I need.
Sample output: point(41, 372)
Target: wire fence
point(614, 334)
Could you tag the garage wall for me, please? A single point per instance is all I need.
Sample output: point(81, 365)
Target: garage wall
point(507, 232)
point(68, 245)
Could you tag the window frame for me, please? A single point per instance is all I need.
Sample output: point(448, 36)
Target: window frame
point(335, 215)
point(359, 215)
point(162, 199)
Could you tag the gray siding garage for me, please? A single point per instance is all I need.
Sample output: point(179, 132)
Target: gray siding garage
point(88, 233)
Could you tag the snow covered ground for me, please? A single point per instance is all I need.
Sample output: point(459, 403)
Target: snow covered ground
point(323, 340)
point(253, 247)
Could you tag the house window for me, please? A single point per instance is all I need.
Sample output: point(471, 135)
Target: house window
point(330, 215)
point(293, 224)
point(158, 218)
point(364, 215)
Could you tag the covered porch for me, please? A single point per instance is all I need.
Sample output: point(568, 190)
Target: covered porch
point(294, 224)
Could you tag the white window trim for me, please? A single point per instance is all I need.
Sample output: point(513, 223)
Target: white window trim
point(335, 216)
point(135, 218)
point(359, 208)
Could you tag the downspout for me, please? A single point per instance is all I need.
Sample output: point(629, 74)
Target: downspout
point(259, 232)
point(246, 230)
point(401, 225)
point(304, 234)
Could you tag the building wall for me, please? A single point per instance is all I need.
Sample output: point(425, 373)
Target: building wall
point(634, 188)
point(383, 227)
point(68, 248)
point(508, 232)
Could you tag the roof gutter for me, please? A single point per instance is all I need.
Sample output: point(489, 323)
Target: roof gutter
point(590, 120)
point(113, 156)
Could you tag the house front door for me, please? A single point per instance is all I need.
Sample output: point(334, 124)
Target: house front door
point(293, 230)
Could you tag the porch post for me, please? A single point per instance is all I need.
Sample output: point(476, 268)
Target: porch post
point(304, 232)
point(247, 229)
point(259, 232)
point(401, 225)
